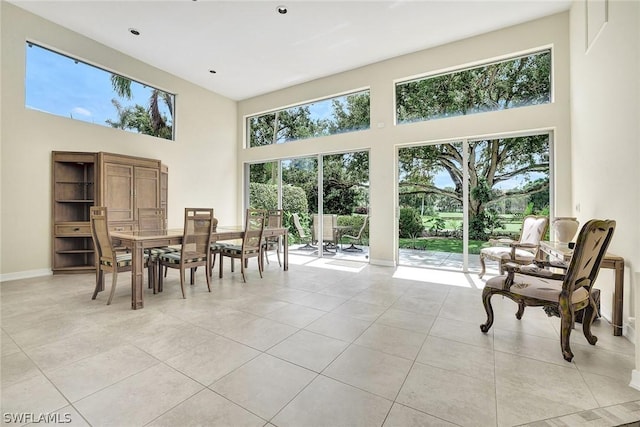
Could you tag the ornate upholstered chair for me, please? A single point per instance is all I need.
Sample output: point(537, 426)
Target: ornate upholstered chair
point(195, 250)
point(107, 258)
point(357, 238)
point(566, 293)
point(304, 237)
point(522, 251)
point(274, 220)
point(251, 243)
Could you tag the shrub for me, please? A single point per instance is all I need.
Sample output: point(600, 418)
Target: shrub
point(410, 223)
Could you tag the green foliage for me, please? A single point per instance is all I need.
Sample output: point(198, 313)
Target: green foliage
point(436, 224)
point(146, 120)
point(410, 223)
point(349, 112)
point(355, 222)
point(503, 85)
point(294, 199)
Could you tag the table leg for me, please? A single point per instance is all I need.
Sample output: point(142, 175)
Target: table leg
point(137, 276)
point(286, 251)
point(617, 297)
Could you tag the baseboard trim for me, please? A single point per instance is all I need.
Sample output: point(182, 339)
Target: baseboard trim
point(382, 262)
point(25, 274)
point(635, 379)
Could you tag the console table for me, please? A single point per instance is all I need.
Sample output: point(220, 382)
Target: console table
point(562, 252)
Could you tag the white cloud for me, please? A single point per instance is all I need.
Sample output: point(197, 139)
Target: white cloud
point(81, 111)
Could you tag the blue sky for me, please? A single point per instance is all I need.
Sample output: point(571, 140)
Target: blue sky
point(59, 85)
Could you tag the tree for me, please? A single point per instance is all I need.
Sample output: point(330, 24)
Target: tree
point(491, 162)
point(147, 120)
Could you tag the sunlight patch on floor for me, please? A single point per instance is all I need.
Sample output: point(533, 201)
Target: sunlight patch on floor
point(440, 276)
point(338, 265)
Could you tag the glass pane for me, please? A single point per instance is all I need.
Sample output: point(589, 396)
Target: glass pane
point(263, 185)
point(300, 199)
point(68, 87)
point(508, 179)
point(509, 84)
point(346, 113)
point(431, 215)
point(345, 205)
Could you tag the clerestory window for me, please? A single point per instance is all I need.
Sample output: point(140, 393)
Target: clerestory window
point(345, 113)
point(65, 86)
point(513, 83)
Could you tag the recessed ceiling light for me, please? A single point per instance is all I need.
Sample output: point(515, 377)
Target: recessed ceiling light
point(281, 9)
point(212, 71)
point(134, 31)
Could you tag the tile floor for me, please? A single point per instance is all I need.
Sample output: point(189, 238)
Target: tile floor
point(328, 343)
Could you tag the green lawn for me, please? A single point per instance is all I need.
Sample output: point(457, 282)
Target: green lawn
point(441, 244)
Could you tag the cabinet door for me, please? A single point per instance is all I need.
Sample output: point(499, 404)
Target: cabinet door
point(147, 191)
point(118, 191)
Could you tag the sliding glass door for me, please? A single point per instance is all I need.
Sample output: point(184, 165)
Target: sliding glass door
point(455, 197)
point(328, 223)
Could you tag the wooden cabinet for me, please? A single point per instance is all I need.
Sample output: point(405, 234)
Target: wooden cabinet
point(121, 183)
point(127, 184)
point(73, 192)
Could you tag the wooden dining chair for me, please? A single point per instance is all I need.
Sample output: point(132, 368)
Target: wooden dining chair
point(151, 219)
point(196, 241)
point(274, 220)
point(251, 246)
point(107, 258)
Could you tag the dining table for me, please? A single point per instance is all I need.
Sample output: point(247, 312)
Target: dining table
point(138, 241)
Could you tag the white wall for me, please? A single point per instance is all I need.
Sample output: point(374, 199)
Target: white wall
point(605, 112)
point(384, 137)
point(199, 160)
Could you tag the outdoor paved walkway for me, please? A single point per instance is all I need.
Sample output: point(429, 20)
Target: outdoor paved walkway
point(411, 257)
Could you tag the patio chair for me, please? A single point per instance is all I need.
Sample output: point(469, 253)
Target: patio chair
point(565, 293)
point(328, 236)
point(356, 238)
point(522, 251)
point(302, 234)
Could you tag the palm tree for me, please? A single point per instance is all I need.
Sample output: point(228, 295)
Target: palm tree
point(158, 122)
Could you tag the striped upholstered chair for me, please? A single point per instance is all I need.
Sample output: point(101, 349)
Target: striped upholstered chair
point(522, 251)
point(251, 246)
point(195, 250)
point(154, 219)
point(107, 258)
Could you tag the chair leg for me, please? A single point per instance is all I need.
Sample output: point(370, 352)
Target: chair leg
point(192, 273)
point(520, 311)
point(114, 281)
point(99, 282)
point(566, 321)
point(484, 269)
point(587, 319)
point(278, 253)
point(182, 282)
point(158, 278)
point(242, 264)
point(221, 259)
point(486, 301)
point(207, 273)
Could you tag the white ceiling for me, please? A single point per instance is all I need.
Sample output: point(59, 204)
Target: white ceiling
point(255, 50)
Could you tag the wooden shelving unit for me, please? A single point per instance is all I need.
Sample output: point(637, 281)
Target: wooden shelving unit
point(73, 192)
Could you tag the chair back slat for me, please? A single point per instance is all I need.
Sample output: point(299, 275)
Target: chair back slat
point(591, 247)
point(100, 234)
point(254, 226)
point(274, 218)
point(152, 219)
point(196, 240)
